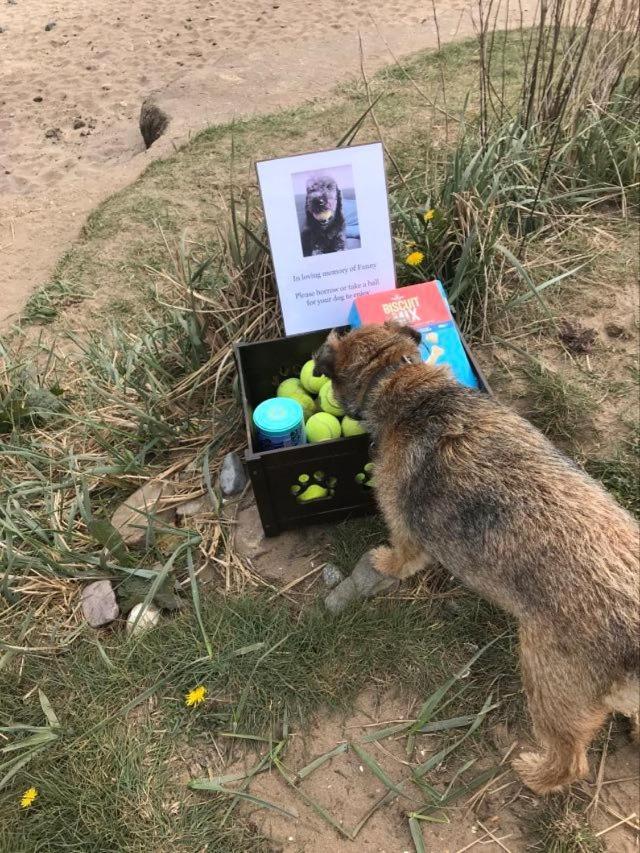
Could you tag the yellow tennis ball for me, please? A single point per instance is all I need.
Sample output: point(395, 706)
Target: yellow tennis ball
point(309, 381)
point(352, 427)
point(308, 403)
point(322, 427)
point(285, 388)
point(293, 389)
point(328, 402)
point(313, 493)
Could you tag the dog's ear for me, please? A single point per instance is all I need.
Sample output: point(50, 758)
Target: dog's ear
point(399, 329)
point(325, 357)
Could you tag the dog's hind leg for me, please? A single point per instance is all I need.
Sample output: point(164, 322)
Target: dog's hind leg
point(565, 711)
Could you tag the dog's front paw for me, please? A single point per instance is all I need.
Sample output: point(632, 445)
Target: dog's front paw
point(382, 560)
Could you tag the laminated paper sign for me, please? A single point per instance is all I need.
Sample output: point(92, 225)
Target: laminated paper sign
point(328, 222)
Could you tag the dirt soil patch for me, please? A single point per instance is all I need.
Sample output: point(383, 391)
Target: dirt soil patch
point(499, 815)
point(72, 93)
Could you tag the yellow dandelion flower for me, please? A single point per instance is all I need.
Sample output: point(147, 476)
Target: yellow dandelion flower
point(28, 797)
point(428, 215)
point(414, 259)
point(195, 696)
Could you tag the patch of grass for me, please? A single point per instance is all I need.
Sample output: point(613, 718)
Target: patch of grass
point(45, 304)
point(111, 780)
point(560, 826)
point(116, 791)
point(561, 409)
point(621, 474)
point(353, 538)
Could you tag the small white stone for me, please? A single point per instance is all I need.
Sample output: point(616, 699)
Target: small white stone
point(147, 618)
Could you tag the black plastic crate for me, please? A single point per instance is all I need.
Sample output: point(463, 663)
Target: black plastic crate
point(279, 477)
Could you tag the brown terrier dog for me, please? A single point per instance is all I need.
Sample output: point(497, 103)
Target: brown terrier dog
point(466, 483)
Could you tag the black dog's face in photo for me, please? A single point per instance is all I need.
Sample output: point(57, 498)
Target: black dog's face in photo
point(323, 199)
point(324, 229)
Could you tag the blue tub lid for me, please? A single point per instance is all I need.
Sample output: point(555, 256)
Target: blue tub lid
point(278, 414)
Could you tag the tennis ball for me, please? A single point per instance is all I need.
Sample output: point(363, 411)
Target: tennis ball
point(352, 427)
point(328, 402)
point(293, 389)
point(313, 493)
point(322, 427)
point(308, 403)
point(309, 381)
point(285, 388)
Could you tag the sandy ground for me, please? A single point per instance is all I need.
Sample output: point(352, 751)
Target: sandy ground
point(73, 76)
point(496, 816)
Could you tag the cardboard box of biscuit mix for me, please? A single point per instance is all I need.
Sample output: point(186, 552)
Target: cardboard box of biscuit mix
point(424, 307)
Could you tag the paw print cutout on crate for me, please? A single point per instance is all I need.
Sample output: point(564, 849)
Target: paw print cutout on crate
point(365, 477)
point(313, 487)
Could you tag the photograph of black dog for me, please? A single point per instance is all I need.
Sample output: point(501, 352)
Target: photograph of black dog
point(327, 213)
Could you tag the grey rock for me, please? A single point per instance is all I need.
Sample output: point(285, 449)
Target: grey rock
point(370, 582)
point(331, 575)
point(197, 506)
point(99, 606)
point(78, 123)
point(250, 540)
point(53, 133)
point(341, 597)
point(153, 120)
point(48, 27)
point(133, 518)
point(233, 478)
point(38, 99)
point(363, 582)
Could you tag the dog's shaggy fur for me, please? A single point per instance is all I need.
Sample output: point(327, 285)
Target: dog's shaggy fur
point(324, 229)
point(466, 483)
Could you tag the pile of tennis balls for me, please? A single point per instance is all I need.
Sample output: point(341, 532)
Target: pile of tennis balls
point(324, 418)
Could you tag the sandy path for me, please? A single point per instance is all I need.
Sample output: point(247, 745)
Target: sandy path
point(70, 96)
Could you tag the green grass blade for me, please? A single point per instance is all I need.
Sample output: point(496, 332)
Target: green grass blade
point(18, 765)
point(208, 785)
point(48, 710)
point(105, 657)
point(436, 759)
point(525, 277)
point(432, 703)
point(452, 722)
point(35, 740)
point(348, 137)
point(265, 763)
point(340, 749)
point(381, 734)
point(416, 835)
point(106, 535)
point(318, 809)
point(377, 771)
point(518, 300)
point(195, 595)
